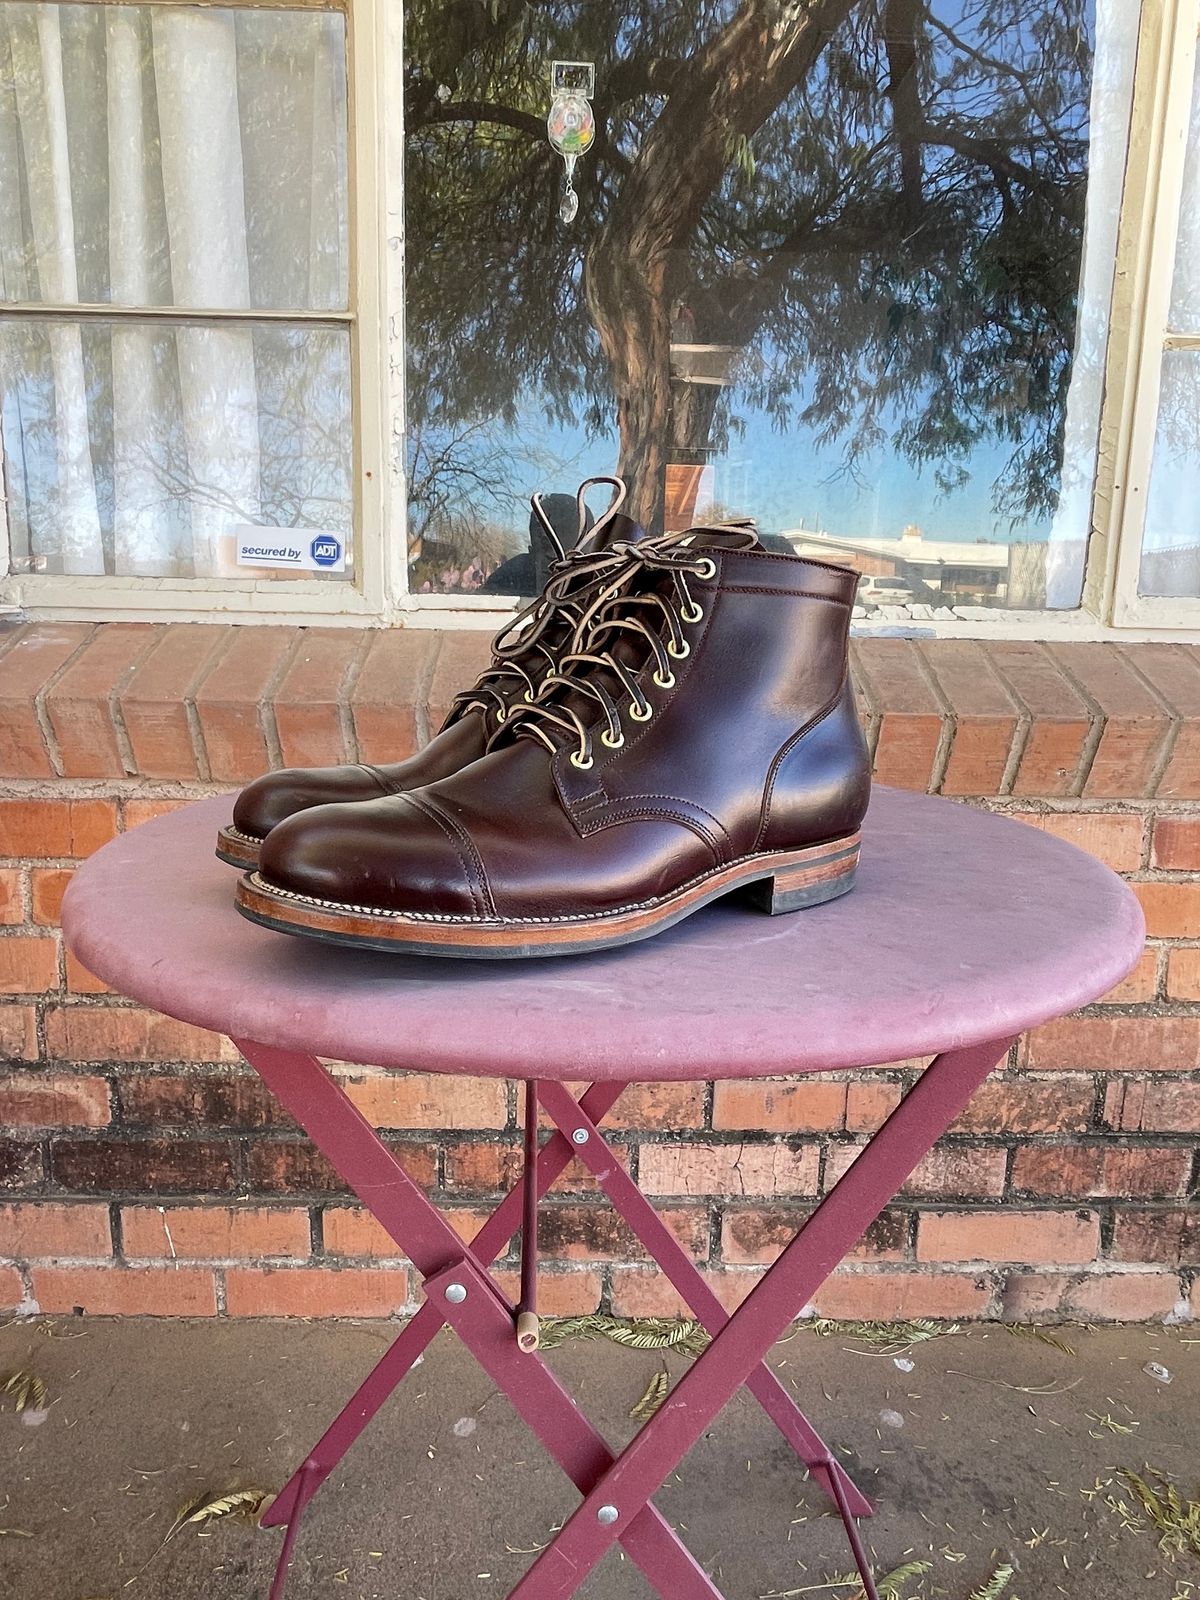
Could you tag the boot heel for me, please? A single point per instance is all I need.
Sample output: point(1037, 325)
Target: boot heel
point(821, 874)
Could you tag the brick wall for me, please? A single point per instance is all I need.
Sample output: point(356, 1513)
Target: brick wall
point(144, 1169)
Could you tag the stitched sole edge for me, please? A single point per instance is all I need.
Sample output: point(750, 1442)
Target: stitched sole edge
point(237, 849)
point(806, 878)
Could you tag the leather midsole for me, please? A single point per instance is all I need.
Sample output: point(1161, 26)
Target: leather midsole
point(815, 864)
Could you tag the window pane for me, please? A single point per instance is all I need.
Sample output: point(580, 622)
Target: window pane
point(1184, 315)
point(1171, 542)
point(853, 283)
point(147, 448)
point(163, 155)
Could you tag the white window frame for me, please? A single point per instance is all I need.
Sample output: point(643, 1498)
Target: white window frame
point(380, 592)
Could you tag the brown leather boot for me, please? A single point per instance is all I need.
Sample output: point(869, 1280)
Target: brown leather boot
point(700, 736)
point(523, 652)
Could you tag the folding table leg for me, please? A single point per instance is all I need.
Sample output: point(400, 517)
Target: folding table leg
point(339, 1130)
point(572, 1119)
point(851, 1206)
point(421, 1329)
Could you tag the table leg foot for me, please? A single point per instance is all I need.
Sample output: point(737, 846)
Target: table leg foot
point(282, 1566)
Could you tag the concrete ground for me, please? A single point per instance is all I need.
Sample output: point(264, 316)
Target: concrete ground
point(993, 1448)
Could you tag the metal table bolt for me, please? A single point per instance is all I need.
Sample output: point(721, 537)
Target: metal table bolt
point(580, 1136)
point(456, 1293)
point(607, 1515)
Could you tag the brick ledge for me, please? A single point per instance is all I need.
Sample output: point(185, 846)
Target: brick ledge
point(217, 704)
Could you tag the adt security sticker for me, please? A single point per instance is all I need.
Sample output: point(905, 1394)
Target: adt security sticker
point(302, 549)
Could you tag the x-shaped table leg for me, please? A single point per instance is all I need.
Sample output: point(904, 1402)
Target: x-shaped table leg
point(483, 1319)
point(855, 1201)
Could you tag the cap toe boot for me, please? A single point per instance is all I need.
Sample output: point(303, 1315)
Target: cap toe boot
point(699, 736)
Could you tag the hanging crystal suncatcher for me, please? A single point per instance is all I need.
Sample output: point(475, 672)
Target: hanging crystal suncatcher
point(571, 125)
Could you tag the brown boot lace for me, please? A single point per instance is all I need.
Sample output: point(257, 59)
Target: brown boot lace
point(629, 626)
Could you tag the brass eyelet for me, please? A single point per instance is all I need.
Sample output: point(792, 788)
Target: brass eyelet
point(684, 650)
point(502, 715)
point(609, 742)
point(665, 683)
point(706, 569)
point(692, 613)
point(639, 715)
point(584, 765)
point(528, 698)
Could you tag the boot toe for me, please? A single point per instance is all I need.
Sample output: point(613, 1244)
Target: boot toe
point(387, 855)
point(274, 797)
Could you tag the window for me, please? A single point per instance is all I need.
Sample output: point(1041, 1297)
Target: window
point(1159, 559)
point(911, 284)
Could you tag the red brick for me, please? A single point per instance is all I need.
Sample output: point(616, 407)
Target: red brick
point(479, 1168)
point(1171, 1238)
point(780, 1106)
point(200, 1101)
point(954, 1171)
point(316, 1291)
point(1183, 974)
point(727, 1169)
point(1132, 1044)
point(871, 1296)
point(869, 1103)
point(461, 657)
point(228, 701)
point(63, 829)
point(596, 1233)
point(126, 1291)
point(47, 887)
point(645, 1292)
point(348, 1231)
point(1059, 717)
point(47, 1228)
point(311, 695)
point(1029, 1105)
point(144, 1166)
point(1091, 1297)
point(29, 664)
point(658, 1107)
point(18, 1033)
point(12, 897)
point(20, 1164)
point(79, 705)
point(911, 726)
point(126, 1033)
point(135, 812)
point(429, 1100)
point(53, 1099)
point(1140, 985)
point(80, 980)
point(1176, 844)
point(12, 1290)
point(1065, 1238)
point(1087, 1171)
point(293, 1166)
point(384, 698)
point(1136, 722)
point(1172, 670)
point(751, 1237)
point(560, 1294)
point(1172, 909)
point(1156, 1105)
point(155, 699)
point(28, 965)
point(1113, 837)
point(984, 716)
point(214, 1233)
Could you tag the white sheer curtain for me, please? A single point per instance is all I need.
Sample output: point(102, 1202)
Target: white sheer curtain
point(161, 156)
point(1111, 99)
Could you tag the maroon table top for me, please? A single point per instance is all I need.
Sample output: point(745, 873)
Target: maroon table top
point(964, 927)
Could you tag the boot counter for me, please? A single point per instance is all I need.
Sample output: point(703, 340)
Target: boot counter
point(821, 783)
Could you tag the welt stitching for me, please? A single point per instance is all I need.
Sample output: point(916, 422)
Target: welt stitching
point(777, 763)
point(458, 838)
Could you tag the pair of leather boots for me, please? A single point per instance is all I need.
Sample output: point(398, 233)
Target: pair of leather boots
point(671, 720)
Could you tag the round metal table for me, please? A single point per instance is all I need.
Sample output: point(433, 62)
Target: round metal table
point(964, 929)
